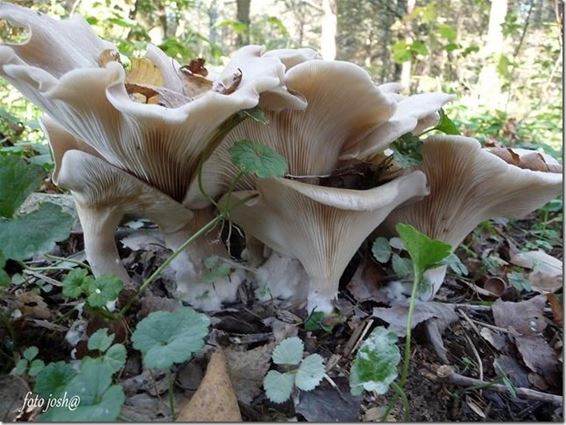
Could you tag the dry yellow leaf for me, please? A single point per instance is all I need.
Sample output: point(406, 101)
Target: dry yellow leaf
point(144, 72)
point(214, 400)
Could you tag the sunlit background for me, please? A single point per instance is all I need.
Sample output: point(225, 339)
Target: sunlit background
point(502, 58)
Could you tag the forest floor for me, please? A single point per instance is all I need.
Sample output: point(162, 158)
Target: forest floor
point(494, 330)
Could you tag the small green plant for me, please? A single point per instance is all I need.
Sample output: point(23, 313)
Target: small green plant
point(318, 320)
point(166, 338)
point(305, 374)
point(425, 253)
point(18, 232)
point(90, 394)
point(29, 364)
point(98, 292)
point(375, 365)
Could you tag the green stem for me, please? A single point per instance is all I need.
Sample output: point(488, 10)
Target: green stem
point(401, 394)
point(171, 395)
point(407, 352)
point(210, 225)
point(68, 260)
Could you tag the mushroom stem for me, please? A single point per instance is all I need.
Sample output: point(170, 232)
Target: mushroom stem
point(99, 225)
point(322, 290)
point(434, 278)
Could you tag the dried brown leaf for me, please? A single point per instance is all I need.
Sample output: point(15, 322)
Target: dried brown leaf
point(230, 86)
point(144, 72)
point(546, 275)
point(108, 55)
point(195, 67)
point(215, 400)
point(557, 309)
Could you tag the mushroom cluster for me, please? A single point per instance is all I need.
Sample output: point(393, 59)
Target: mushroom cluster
point(137, 143)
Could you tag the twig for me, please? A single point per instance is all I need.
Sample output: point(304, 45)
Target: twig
point(446, 374)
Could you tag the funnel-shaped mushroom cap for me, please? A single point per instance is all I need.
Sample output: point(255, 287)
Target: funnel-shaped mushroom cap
point(158, 145)
point(54, 46)
point(344, 106)
point(469, 184)
point(413, 114)
point(320, 226)
point(103, 194)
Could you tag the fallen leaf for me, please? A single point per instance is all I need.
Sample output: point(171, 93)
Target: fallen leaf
point(509, 366)
point(13, 390)
point(215, 400)
point(365, 283)
point(529, 161)
point(196, 66)
point(32, 304)
point(557, 309)
point(247, 369)
point(546, 275)
point(525, 320)
point(144, 72)
point(497, 340)
point(157, 95)
point(328, 404)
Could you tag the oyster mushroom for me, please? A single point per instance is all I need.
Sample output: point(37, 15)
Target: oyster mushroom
point(468, 185)
point(322, 227)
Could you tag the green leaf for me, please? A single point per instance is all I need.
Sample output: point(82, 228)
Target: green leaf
point(519, 282)
point(53, 379)
point(17, 180)
point(289, 351)
point(21, 367)
point(310, 373)
point(375, 365)
point(103, 289)
point(401, 52)
point(278, 386)
point(381, 250)
point(425, 252)
point(447, 31)
point(35, 233)
point(165, 337)
point(318, 320)
point(115, 357)
point(35, 367)
point(100, 340)
point(76, 283)
point(216, 269)
point(456, 265)
point(255, 158)
point(403, 267)
point(446, 125)
point(99, 402)
point(30, 353)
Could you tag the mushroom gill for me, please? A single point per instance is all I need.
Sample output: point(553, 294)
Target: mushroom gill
point(468, 185)
point(322, 227)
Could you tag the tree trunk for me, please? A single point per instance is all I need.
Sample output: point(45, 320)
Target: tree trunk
point(328, 32)
point(243, 16)
point(406, 69)
point(489, 82)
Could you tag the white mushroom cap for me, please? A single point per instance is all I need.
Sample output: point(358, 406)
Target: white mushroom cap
point(103, 194)
point(344, 106)
point(156, 144)
point(413, 114)
point(54, 46)
point(320, 226)
point(468, 185)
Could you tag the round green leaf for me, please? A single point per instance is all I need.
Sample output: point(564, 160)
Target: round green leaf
point(289, 351)
point(100, 340)
point(278, 386)
point(35, 367)
point(17, 180)
point(21, 367)
point(53, 379)
point(165, 337)
point(381, 250)
point(76, 283)
point(310, 373)
point(103, 289)
point(256, 158)
point(31, 352)
point(375, 365)
point(34, 233)
point(115, 357)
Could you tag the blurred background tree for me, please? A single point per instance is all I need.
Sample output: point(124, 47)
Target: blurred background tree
point(502, 58)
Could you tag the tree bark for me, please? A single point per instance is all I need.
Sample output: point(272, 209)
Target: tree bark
point(406, 68)
point(328, 32)
point(243, 16)
point(489, 82)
